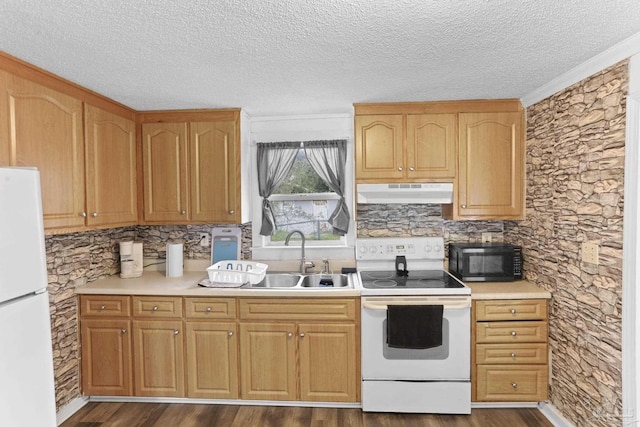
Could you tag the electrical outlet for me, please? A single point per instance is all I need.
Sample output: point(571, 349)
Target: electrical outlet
point(590, 253)
point(204, 239)
point(486, 237)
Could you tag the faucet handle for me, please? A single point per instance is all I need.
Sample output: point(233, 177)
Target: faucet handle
point(325, 266)
point(307, 265)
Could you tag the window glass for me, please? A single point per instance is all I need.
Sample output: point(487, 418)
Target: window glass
point(303, 202)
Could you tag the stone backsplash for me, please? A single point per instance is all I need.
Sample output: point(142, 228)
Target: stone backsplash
point(575, 175)
point(78, 258)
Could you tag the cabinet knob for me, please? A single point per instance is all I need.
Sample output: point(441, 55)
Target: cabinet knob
point(176, 332)
point(411, 169)
point(124, 331)
point(83, 214)
point(513, 311)
point(208, 309)
point(302, 335)
point(464, 206)
point(102, 307)
point(230, 333)
point(231, 212)
point(290, 334)
point(513, 355)
point(155, 308)
point(400, 168)
point(514, 385)
point(514, 333)
point(94, 214)
point(183, 212)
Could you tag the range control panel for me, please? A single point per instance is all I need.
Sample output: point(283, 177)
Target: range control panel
point(386, 248)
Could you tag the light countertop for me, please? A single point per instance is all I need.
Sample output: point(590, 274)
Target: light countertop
point(520, 289)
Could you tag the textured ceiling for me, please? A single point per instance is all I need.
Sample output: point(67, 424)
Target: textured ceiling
point(273, 57)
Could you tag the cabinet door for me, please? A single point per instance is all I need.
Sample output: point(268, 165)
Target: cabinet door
point(379, 147)
point(214, 157)
point(165, 171)
point(44, 129)
point(106, 357)
point(158, 358)
point(110, 142)
point(268, 361)
point(328, 357)
point(431, 146)
point(491, 176)
point(212, 360)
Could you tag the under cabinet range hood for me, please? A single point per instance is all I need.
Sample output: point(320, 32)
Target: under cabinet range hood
point(423, 193)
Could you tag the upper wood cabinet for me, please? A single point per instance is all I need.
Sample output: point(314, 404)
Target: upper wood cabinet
point(191, 167)
point(42, 128)
point(491, 176)
point(164, 154)
point(405, 147)
point(87, 178)
point(110, 142)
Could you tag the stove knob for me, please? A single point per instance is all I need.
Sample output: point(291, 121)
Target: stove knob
point(363, 249)
point(427, 249)
point(373, 249)
point(438, 248)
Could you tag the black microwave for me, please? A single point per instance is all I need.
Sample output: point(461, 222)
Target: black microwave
point(485, 262)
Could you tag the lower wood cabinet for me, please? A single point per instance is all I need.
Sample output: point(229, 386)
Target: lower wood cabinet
point(158, 358)
point(106, 357)
point(510, 347)
point(221, 348)
point(212, 360)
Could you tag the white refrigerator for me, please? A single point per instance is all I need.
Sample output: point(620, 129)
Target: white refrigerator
point(27, 395)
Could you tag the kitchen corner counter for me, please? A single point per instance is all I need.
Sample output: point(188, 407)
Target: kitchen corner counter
point(157, 283)
point(520, 289)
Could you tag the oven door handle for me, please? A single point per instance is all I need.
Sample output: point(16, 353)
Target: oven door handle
point(448, 303)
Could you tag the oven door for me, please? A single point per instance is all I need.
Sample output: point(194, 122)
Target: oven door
point(449, 362)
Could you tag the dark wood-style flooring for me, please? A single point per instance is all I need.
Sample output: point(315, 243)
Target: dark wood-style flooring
point(100, 414)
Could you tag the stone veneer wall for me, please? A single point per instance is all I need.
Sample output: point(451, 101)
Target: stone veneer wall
point(78, 258)
point(575, 176)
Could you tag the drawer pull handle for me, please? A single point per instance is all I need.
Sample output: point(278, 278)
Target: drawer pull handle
point(514, 385)
point(514, 333)
point(124, 331)
point(155, 308)
point(464, 206)
point(513, 355)
point(513, 311)
point(302, 335)
point(400, 168)
point(176, 332)
point(208, 309)
point(290, 334)
point(102, 307)
point(230, 333)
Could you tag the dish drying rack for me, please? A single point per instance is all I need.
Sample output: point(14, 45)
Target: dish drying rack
point(234, 274)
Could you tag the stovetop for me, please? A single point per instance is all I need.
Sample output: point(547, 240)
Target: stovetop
point(413, 279)
point(378, 258)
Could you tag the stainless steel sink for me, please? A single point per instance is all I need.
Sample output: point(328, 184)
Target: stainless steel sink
point(319, 281)
point(278, 280)
point(299, 281)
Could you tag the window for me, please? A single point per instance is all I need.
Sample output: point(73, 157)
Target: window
point(303, 186)
point(303, 202)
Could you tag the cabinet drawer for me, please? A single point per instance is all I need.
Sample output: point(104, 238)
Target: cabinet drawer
point(105, 305)
point(534, 309)
point(297, 309)
point(502, 332)
point(511, 353)
point(210, 308)
point(157, 306)
point(508, 383)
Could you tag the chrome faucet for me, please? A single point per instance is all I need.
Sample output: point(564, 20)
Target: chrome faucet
point(304, 264)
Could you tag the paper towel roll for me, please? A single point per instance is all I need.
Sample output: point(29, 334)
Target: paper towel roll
point(174, 259)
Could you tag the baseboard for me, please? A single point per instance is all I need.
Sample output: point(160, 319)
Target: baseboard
point(496, 405)
point(553, 415)
point(223, 401)
point(70, 408)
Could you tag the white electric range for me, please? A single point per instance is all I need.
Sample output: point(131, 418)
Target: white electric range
point(410, 271)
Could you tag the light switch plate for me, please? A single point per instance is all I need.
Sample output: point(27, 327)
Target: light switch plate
point(590, 253)
point(204, 239)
